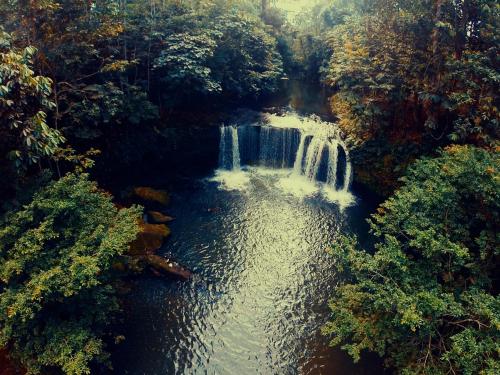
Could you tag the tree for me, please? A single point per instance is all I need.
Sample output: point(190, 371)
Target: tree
point(427, 299)
point(25, 100)
point(184, 61)
point(56, 291)
point(246, 61)
point(411, 76)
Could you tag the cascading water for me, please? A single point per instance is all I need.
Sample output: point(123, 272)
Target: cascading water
point(297, 165)
point(236, 148)
point(306, 147)
point(314, 156)
point(229, 149)
point(277, 147)
point(333, 150)
point(348, 174)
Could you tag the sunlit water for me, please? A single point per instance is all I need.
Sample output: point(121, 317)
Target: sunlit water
point(259, 296)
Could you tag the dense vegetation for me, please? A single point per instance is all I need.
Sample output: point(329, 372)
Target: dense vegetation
point(74, 75)
point(56, 291)
point(411, 78)
point(427, 298)
point(414, 85)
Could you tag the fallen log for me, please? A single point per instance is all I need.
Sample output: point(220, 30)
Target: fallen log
point(164, 266)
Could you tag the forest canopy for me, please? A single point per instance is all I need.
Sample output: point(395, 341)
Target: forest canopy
point(57, 295)
point(412, 84)
point(427, 299)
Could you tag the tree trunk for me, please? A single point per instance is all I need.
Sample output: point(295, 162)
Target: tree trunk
point(438, 16)
point(461, 28)
point(264, 7)
point(435, 40)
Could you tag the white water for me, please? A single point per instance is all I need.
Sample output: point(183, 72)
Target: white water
point(229, 148)
point(313, 157)
point(303, 157)
point(333, 149)
point(297, 165)
point(236, 148)
point(348, 174)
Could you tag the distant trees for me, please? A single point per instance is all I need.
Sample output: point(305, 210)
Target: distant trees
point(107, 58)
point(427, 299)
point(230, 55)
point(56, 280)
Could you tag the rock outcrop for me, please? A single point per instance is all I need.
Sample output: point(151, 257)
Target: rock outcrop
point(152, 195)
point(159, 218)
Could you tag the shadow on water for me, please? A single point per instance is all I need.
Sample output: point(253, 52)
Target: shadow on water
point(263, 276)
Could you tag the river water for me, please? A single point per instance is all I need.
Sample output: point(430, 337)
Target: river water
point(256, 234)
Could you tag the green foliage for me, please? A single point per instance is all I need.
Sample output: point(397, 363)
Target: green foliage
point(415, 75)
point(427, 299)
point(102, 106)
point(56, 293)
point(222, 52)
point(246, 61)
point(185, 59)
point(24, 103)
point(107, 59)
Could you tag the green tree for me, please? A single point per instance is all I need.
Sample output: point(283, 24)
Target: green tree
point(56, 291)
point(246, 61)
point(427, 299)
point(26, 136)
point(184, 61)
point(411, 76)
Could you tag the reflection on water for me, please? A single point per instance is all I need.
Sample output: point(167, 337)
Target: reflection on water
point(303, 97)
point(260, 292)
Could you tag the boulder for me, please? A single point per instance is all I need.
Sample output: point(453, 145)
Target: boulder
point(159, 218)
point(152, 195)
point(149, 239)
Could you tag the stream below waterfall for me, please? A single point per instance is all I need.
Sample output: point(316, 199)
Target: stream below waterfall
point(256, 233)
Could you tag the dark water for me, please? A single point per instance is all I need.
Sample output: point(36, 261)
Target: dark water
point(262, 280)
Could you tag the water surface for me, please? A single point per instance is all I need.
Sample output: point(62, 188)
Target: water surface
point(259, 297)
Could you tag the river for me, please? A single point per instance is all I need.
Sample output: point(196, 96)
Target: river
point(255, 231)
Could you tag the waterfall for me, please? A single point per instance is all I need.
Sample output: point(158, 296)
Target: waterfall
point(277, 147)
point(314, 157)
point(313, 150)
point(333, 150)
point(348, 173)
point(321, 151)
point(229, 149)
point(236, 148)
point(297, 166)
